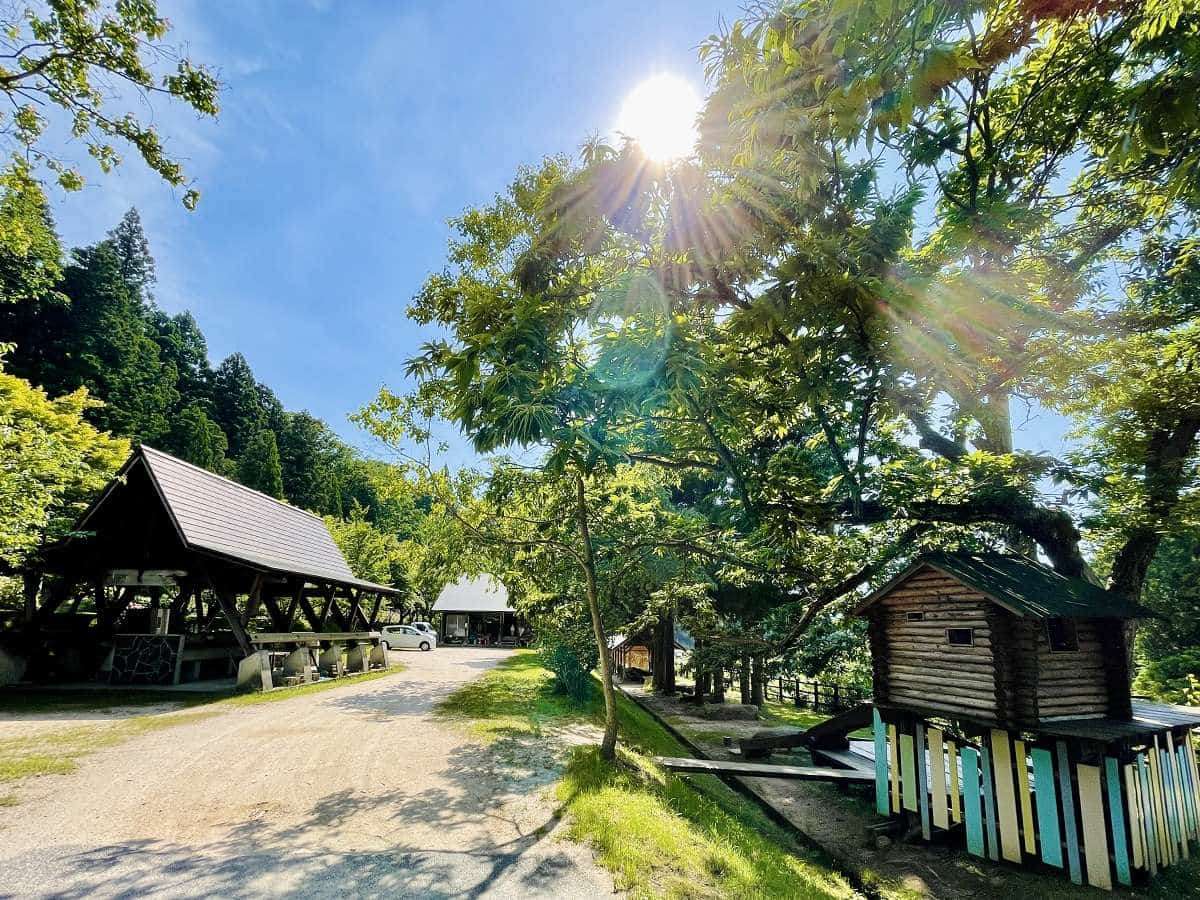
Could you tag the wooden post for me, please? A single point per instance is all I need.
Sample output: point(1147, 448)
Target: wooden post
point(228, 603)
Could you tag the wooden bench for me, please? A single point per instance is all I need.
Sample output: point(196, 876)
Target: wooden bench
point(761, 770)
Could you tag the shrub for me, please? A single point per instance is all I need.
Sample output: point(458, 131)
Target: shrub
point(1167, 679)
point(570, 675)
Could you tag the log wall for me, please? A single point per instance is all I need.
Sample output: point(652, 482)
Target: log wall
point(1073, 682)
point(922, 668)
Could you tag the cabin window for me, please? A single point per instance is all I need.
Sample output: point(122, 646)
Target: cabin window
point(960, 637)
point(1062, 635)
point(916, 617)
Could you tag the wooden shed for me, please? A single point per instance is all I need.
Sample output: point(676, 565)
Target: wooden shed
point(999, 640)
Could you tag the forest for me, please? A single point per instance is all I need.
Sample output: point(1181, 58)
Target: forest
point(734, 390)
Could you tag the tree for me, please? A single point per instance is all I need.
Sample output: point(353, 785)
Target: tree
point(986, 107)
point(182, 344)
point(70, 57)
point(198, 439)
point(132, 249)
point(258, 466)
point(371, 554)
point(30, 255)
point(237, 403)
point(311, 456)
point(54, 462)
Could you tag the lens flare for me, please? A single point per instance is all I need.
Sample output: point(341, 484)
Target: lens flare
point(660, 114)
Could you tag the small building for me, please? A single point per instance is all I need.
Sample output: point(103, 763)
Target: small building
point(476, 611)
point(1003, 715)
point(1000, 640)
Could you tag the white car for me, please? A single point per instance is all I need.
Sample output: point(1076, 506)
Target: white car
point(425, 627)
point(406, 637)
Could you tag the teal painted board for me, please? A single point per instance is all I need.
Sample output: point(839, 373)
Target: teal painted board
point(1067, 791)
point(922, 782)
point(989, 804)
point(881, 767)
point(1116, 818)
point(1164, 762)
point(970, 781)
point(1189, 790)
point(1148, 820)
point(1046, 798)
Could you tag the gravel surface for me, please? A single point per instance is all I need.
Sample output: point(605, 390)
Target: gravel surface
point(356, 791)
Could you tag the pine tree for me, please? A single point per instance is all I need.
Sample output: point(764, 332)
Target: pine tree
point(198, 439)
point(259, 467)
point(237, 403)
point(133, 253)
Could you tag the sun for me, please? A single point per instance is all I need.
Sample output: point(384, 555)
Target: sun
point(660, 114)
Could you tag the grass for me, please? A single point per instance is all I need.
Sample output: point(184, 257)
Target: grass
point(660, 835)
point(58, 751)
point(785, 714)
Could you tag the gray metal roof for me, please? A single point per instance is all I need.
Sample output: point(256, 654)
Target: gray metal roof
point(483, 593)
point(221, 516)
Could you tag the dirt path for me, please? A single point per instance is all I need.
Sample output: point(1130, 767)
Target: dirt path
point(350, 792)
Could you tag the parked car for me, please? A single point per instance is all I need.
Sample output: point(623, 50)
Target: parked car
point(425, 627)
point(406, 637)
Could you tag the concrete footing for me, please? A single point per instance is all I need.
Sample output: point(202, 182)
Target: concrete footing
point(254, 672)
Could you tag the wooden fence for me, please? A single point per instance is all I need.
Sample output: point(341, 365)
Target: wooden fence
point(815, 695)
point(1091, 817)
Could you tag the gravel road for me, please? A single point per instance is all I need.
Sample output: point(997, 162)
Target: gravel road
point(356, 791)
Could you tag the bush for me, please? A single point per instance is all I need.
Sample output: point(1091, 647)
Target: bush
point(570, 675)
point(1167, 679)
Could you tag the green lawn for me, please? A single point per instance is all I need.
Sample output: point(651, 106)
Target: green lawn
point(58, 751)
point(660, 835)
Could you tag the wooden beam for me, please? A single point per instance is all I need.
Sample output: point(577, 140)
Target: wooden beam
point(762, 770)
point(355, 597)
point(316, 622)
point(375, 611)
point(290, 617)
point(273, 610)
point(253, 601)
point(228, 603)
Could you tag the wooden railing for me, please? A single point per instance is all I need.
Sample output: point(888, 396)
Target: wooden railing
point(815, 695)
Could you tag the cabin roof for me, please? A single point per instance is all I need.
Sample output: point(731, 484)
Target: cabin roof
point(1022, 586)
point(219, 516)
point(483, 593)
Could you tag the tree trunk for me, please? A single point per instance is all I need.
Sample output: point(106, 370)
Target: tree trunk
point(608, 746)
point(744, 679)
point(719, 685)
point(757, 681)
point(664, 656)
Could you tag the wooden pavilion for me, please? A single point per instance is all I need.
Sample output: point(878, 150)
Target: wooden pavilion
point(170, 569)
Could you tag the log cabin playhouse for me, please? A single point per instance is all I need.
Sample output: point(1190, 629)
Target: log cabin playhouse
point(1003, 716)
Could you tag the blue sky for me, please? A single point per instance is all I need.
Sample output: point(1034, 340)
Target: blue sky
point(350, 132)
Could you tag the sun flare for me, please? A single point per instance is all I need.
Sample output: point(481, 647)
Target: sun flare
point(660, 114)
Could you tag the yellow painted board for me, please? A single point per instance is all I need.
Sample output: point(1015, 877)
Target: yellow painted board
point(955, 795)
point(1024, 795)
point(1006, 800)
point(908, 771)
point(894, 767)
point(1165, 854)
point(1134, 810)
point(937, 778)
point(1095, 834)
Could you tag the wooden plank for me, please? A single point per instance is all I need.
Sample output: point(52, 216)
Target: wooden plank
point(1190, 750)
point(1133, 809)
point(1168, 792)
point(971, 810)
point(760, 770)
point(937, 781)
point(989, 802)
point(1151, 829)
point(1116, 819)
point(881, 767)
point(1178, 795)
point(1166, 855)
point(1066, 792)
point(894, 767)
point(1047, 807)
point(1091, 814)
point(922, 781)
point(1185, 786)
point(1006, 801)
point(908, 773)
point(1028, 830)
point(955, 792)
